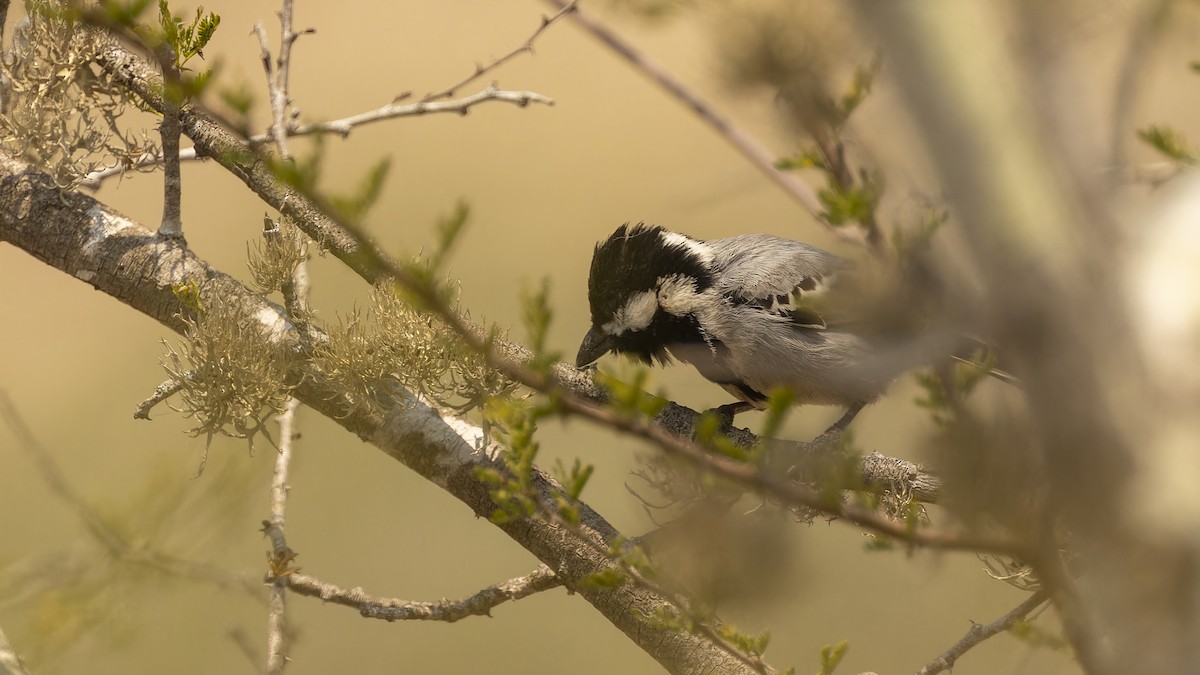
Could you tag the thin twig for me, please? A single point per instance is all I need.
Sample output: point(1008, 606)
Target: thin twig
point(161, 393)
point(525, 48)
point(93, 180)
point(394, 609)
point(754, 152)
point(978, 633)
point(295, 300)
point(462, 106)
point(342, 127)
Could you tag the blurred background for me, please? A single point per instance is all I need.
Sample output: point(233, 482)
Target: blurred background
point(543, 184)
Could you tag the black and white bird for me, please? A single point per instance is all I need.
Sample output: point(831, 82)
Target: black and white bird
point(738, 309)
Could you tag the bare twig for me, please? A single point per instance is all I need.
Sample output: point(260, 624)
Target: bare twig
point(277, 74)
point(394, 609)
point(525, 48)
point(462, 106)
point(161, 393)
point(979, 632)
point(277, 599)
point(757, 154)
point(295, 294)
point(94, 179)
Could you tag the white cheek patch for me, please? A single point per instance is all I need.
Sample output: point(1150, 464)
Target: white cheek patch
point(696, 248)
point(637, 314)
point(677, 294)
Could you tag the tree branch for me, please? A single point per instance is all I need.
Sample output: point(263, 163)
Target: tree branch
point(525, 48)
point(741, 140)
point(394, 609)
point(978, 633)
point(393, 110)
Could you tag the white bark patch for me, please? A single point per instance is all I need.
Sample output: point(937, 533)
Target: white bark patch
point(85, 275)
point(274, 321)
point(452, 443)
point(696, 248)
point(104, 225)
point(637, 313)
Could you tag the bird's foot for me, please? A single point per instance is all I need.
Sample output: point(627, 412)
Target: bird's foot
point(833, 435)
point(726, 413)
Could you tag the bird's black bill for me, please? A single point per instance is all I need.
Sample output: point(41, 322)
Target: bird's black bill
point(595, 344)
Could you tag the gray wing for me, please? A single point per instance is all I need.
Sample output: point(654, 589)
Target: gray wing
point(775, 274)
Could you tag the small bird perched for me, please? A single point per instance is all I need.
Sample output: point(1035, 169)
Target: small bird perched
point(738, 309)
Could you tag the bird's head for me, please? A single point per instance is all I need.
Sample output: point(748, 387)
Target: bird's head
point(640, 289)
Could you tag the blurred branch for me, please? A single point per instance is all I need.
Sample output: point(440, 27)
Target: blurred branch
point(525, 48)
point(1043, 244)
point(978, 633)
point(754, 152)
point(277, 624)
point(394, 609)
point(113, 542)
point(1152, 18)
point(10, 662)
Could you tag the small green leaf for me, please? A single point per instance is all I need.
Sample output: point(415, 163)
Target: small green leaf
point(1169, 142)
point(831, 657)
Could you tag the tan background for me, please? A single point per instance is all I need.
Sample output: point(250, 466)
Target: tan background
point(543, 184)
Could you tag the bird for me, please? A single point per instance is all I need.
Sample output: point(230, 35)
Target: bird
point(742, 310)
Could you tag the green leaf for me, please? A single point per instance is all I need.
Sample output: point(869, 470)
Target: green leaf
point(1169, 142)
point(536, 315)
point(831, 657)
point(860, 86)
